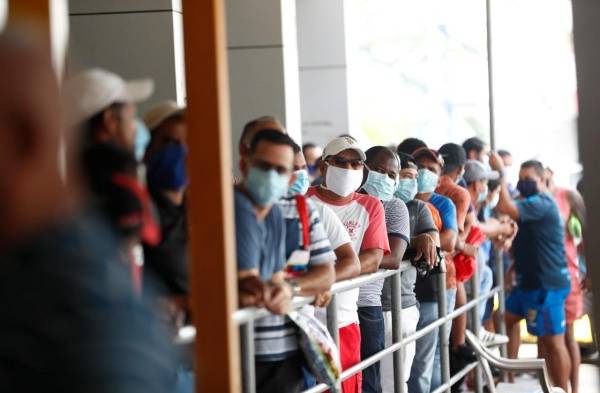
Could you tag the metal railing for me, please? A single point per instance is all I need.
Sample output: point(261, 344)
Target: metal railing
point(245, 319)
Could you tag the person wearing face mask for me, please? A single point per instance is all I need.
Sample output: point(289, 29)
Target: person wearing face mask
point(543, 281)
point(381, 183)
point(430, 164)
point(454, 166)
point(423, 239)
point(166, 177)
point(312, 153)
point(261, 244)
point(309, 255)
point(363, 216)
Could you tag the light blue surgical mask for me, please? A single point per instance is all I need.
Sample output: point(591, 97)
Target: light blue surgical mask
point(380, 186)
point(482, 196)
point(142, 139)
point(301, 184)
point(407, 189)
point(266, 186)
point(494, 202)
point(427, 181)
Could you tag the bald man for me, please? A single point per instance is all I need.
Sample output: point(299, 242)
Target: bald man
point(69, 320)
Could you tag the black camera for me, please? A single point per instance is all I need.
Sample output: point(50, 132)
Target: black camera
point(423, 268)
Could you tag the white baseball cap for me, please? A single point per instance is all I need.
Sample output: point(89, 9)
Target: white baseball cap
point(340, 144)
point(91, 91)
point(161, 112)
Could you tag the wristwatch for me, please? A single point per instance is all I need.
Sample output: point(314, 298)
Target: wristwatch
point(296, 289)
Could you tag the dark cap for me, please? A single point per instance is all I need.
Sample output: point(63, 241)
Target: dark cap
point(430, 154)
point(407, 161)
point(453, 154)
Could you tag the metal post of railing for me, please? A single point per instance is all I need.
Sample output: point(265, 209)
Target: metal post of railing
point(476, 324)
point(443, 331)
point(397, 331)
point(499, 261)
point(332, 320)
point(248, 366)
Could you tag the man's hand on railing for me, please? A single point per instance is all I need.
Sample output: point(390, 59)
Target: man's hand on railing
point(252, 291)
point(425, 246)
point(322, 299)
point(279, 298)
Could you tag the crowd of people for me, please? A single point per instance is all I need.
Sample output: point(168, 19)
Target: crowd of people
point(95, 266)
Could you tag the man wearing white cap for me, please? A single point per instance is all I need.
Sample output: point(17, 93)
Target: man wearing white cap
point(364, 218)
point(103, 105)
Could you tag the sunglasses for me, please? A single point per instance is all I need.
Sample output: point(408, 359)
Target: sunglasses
point(343, 162)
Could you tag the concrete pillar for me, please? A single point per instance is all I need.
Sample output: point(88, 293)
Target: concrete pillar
point(134, 38)
point(586, 30)
point(263, 64)
point(323, 73)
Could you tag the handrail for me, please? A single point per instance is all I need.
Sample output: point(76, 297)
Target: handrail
point(244, 315)
point(187, 334)
point(245, 319)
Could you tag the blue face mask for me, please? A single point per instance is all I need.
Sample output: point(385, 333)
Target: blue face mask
point(312, 169)
point(301, 184)
point(142, 139)
point(407, 189)
point(266, 187)
point(380, 186)
point(166, 168)
point(427, 181)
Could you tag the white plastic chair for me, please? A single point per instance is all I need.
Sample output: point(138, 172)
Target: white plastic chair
point(486, 357)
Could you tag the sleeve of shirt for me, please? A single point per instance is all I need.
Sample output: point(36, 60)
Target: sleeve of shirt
point(397, 220)
point(336, 232)
point(448, 215)
point(425, 222)
point(246, 235)
point(376, 233)
point(320, 247)
point(533, 208)
point(463, 201)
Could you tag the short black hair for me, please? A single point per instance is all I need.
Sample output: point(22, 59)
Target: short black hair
point(536, 165)
point(307, 146)
point(493, 185)
point(450, 168)
point(409, 145)
point(253, 123)
point(473, 143)
point(376, 150)
point(504, 153)
point(297, 148)
point(272, 136)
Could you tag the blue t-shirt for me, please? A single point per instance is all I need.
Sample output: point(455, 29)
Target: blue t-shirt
point(540, 259)
point(447, 211)
point(260, 244)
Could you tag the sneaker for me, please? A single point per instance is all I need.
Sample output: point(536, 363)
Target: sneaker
point(466, 353)
point(490, 339)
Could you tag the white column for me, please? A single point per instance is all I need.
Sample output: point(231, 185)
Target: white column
point(323, 73)
point(134, 38)
point(263, 64)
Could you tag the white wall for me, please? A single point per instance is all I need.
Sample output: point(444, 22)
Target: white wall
point(323, 69)
point(263, 65)
point(134, 38)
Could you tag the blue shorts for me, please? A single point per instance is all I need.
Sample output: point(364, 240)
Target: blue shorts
point(543, 309)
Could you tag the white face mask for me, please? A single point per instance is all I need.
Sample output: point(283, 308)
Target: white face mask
point(341, 181)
